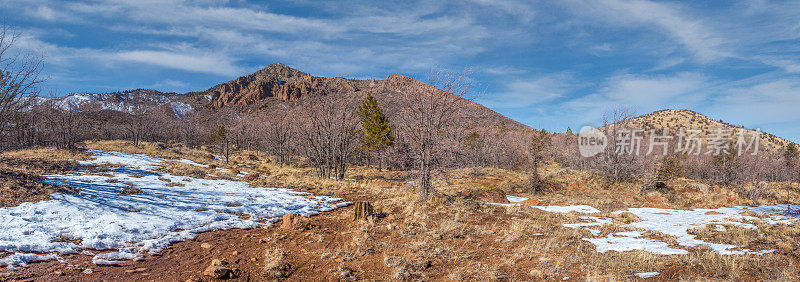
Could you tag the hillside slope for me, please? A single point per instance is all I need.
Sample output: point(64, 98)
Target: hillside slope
point(675, 119)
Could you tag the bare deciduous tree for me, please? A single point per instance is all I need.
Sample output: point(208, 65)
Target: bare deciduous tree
point(19, 80)
point(329, 134)
point(276, 132)
point(65, 124)
point(136, 124)
point(427, 119)
point(617, 165)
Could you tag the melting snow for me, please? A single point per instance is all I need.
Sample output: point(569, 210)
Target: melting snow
point(631, 240)
point(101, 218)
point(181, 109)
point(190, 162)
point(136, 161)
point(646, 274)
point(676, 223)
point(515, 199)
point(566, 209)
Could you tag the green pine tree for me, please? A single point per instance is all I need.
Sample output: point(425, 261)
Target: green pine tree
point(376, 135)
point(790, 155)
point(220, 138)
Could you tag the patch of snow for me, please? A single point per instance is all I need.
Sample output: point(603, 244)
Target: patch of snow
point(181, 109)
point(678, 223)
point(73, 102)
point(596, 221)
point(515, 199)
point(646, 274)
point(114, 258)
point(22, 259)
point(135, 161)
point(675, 223)
point(628, 241)
point(566, 209)
point(190, 162)
point(101, 218)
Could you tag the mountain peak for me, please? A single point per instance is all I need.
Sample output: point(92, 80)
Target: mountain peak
point(279, 71)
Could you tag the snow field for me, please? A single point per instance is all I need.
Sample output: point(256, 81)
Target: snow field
point(671, 222)
point(169, 209)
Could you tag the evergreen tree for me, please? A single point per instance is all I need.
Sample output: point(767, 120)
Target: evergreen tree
point(790, 154)
point(539, 142)
point(569, 131)
point(220, 138)
point(376, 135)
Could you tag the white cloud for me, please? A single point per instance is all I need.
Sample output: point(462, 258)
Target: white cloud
point(44, 12)
point(763, 102)
point(369, 38)
point(643, 93)
point(531, 92)
point(670, 19)
point(204, 63)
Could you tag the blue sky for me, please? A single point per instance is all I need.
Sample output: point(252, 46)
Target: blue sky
point(549, 64)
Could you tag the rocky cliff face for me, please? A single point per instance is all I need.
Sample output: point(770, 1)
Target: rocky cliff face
point(276, 81)
point(278, 84)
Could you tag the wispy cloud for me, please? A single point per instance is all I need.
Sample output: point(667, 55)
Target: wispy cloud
point(204, 63)
point(643, 93)
point(524, 93)
point(670, 19)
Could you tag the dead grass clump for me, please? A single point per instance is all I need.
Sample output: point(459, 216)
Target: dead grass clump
point(196, 173)
point(251, 177)
point(406, 269)
point(130, 190)
point(625, 218)
point(475, 271)
point(175, 184)
point(522, 228)
point(275, 265)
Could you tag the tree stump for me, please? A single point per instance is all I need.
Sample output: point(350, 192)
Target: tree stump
point(363, 211)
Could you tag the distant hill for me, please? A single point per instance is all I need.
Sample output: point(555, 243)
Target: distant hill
point(674, 119)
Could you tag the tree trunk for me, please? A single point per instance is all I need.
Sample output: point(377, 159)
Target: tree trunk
point(380, 161)
point(363, 211)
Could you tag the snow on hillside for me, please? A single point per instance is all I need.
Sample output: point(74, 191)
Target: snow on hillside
point(119, 101)
point(169, 208)
point(181, 109)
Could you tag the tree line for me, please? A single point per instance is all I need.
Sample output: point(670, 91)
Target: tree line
point(424, 129)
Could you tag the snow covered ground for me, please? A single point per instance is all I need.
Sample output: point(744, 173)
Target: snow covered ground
point(671, 222)
point(190, 162)
point(169, 209)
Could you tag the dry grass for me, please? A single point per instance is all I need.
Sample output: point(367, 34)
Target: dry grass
point(455, 236)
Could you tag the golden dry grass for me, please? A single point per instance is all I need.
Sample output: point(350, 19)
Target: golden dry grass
point(470, 240)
